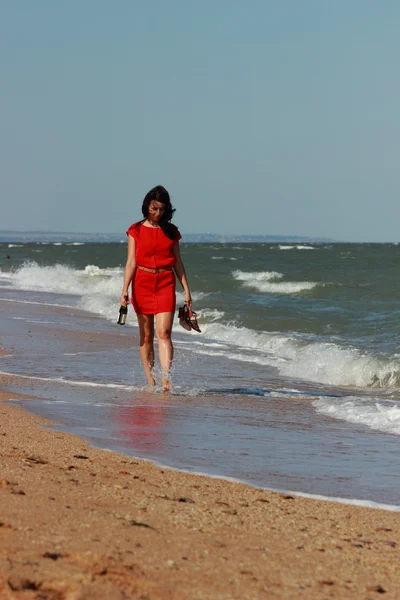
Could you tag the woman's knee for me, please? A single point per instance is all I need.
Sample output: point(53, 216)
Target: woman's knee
point(146, 338)
point(164, 334)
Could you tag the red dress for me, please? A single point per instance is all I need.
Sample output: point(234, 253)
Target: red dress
point(153, 293)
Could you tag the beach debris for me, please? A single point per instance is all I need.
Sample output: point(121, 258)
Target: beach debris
point(183, 499)
point(37, 460)
point(18, 492)
point(82, 456)
point(135, 523)
point(17, 583)
point(377, 588)
point(5, 524)
point(53, 555)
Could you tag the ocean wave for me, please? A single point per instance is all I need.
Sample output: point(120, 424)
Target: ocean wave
point(264, 282)
point(63, 279)
point(92, 280)
point(260, 276)
point(292, 356)
point(375, 413)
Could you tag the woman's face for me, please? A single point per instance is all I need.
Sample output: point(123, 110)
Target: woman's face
point(156, 210)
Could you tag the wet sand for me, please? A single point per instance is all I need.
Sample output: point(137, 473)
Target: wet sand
point(78, 523)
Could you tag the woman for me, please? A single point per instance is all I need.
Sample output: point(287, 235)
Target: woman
point(153, 261)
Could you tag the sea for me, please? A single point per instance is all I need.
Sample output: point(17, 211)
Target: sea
point(293, 383)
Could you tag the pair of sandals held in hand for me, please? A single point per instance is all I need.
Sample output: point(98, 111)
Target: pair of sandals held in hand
point(188, 318)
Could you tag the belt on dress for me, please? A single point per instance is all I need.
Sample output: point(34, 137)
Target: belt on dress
point(154, 271)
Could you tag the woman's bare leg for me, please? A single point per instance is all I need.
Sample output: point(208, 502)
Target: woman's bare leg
point(165, 347)
point(146, 348)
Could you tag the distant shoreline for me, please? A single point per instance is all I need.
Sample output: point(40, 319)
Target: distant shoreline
point(214, 238)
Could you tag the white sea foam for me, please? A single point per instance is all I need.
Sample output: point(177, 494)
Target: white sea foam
point(63, 279)
point(261, 276)
point(375, 413)
point(69, 306)
point(297, 247)
point(15, 245)
point(210, 314)
point(298, 358)
point(7, 276)
point(196, 296)
point(223, 258)
point(60, 380)
point(263, 281)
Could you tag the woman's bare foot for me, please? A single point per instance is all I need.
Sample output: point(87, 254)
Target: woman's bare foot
point(151, 381)
point(166, 382)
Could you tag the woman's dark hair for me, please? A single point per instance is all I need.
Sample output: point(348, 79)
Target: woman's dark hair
point(160, 194)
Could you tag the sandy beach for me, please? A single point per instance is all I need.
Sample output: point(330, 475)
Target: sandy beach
point(78, 523)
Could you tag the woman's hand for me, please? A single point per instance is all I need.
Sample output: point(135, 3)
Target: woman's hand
point(188, 299)
point(124, 300)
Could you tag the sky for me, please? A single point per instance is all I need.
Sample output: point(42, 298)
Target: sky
point(259, 116)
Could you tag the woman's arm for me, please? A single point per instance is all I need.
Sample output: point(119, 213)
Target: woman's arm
point(181, 274)
point(130, 269)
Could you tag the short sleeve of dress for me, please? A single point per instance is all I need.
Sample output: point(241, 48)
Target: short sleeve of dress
point(178, 236)
point(132, 231)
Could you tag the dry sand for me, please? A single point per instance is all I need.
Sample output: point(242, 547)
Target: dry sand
point(80, 523)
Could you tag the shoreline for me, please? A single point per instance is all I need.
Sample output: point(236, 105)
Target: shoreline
point(78, 522)
point(8, 379)
point(338, 499)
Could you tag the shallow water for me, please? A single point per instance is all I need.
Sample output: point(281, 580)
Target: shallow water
point(230, 418)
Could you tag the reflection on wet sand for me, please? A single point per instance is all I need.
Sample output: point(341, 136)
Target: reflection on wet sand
point(143, 427)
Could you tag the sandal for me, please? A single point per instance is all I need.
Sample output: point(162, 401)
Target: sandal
point(184, 319)
point(193, 320)
point(188, 318)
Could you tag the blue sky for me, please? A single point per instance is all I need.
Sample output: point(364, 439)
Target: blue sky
point(260, 117)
